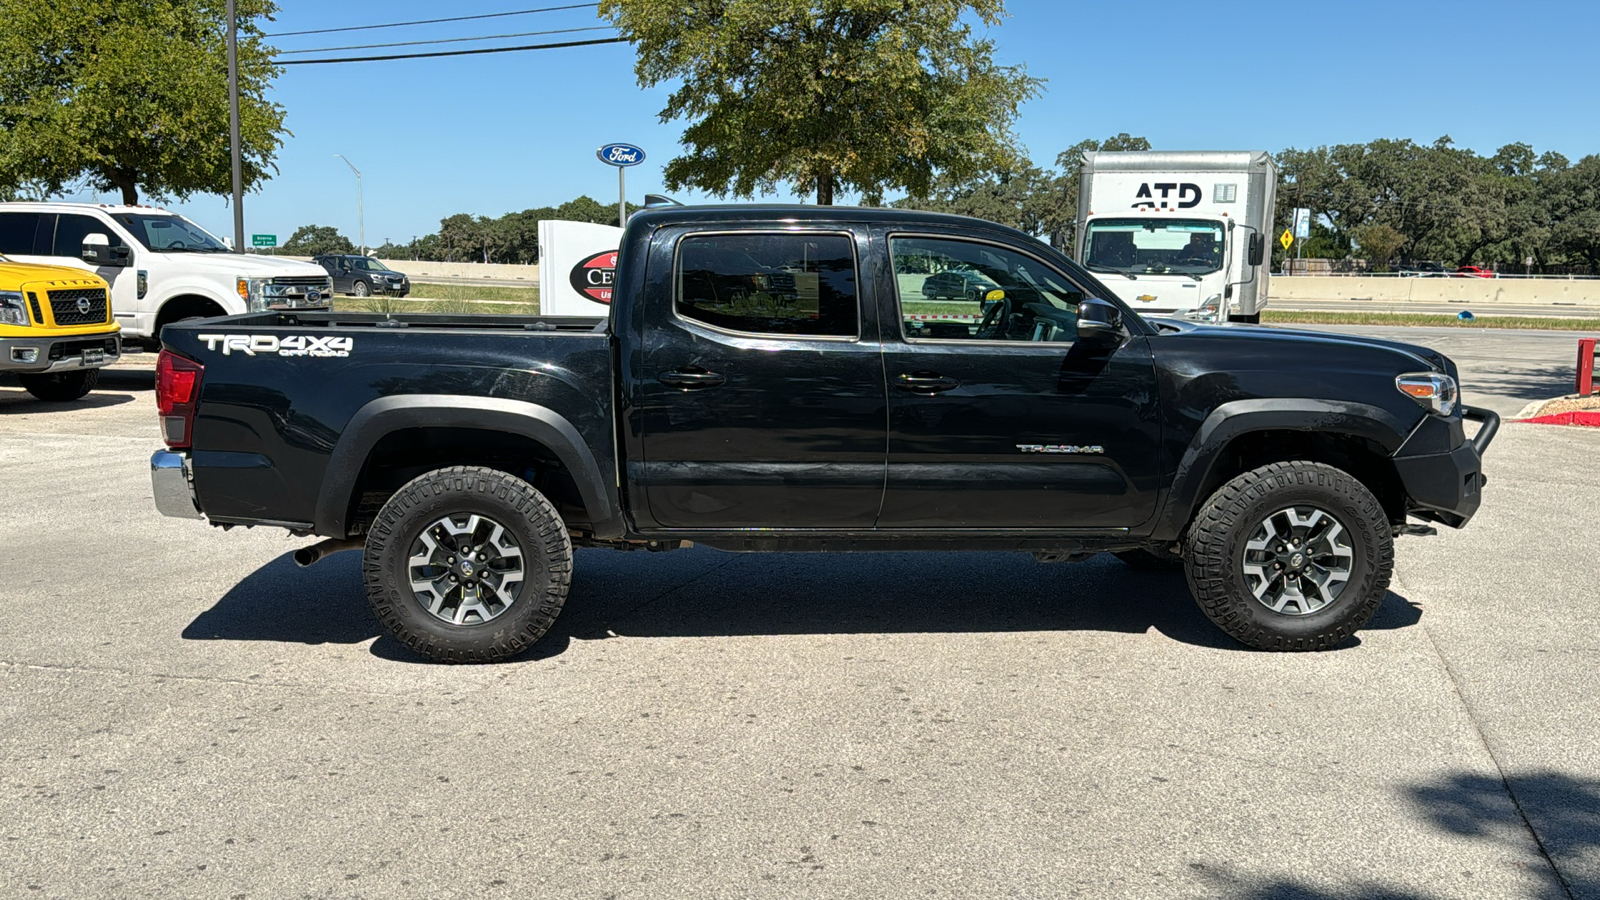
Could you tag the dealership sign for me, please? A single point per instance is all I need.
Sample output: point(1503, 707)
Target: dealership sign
point(593, 275)
point(620, 155)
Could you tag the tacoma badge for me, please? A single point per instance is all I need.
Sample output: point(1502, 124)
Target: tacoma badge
point(1061, 448)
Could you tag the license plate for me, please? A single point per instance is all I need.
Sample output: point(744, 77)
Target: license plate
point(94, 357)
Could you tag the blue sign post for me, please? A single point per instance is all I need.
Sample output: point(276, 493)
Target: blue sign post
point(622, 156)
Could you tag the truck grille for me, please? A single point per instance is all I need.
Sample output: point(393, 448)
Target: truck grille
point(38, 314)
point(81, 307)
point(301, 280)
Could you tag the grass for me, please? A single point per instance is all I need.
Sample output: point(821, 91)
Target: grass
point(1293, 317)
point(474, 292)
point(442, 307)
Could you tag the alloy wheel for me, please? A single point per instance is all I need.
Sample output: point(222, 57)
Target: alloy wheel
point(466, 569)
point(1298, 560)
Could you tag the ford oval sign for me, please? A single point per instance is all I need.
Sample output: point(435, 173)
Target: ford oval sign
point(593, 276)
point(620, 155)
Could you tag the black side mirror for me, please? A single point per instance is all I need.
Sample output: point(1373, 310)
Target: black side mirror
point(1257, 251)
point(1099, 321)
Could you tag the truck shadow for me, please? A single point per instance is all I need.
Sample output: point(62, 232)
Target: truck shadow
point(704, 593)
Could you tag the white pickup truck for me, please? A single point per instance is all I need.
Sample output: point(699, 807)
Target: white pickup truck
point(162, 267)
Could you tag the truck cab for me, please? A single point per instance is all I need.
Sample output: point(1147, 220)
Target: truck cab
point(161, 267)
point(1179, 233)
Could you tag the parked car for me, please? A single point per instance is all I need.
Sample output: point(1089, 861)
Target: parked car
point(362, 275)
point(959, 284)
point(468, 460)
point(1423, 269)
point(162, 268)
point(56, 329)
point(1473, 272)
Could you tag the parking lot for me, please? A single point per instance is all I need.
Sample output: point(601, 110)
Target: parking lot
point(183, 712)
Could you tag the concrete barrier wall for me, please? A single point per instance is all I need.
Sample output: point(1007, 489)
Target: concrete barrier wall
point(1480, 291)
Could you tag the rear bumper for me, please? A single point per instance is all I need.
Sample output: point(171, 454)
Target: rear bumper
point(173, 485)
point(1448, 487)
point(58, 354)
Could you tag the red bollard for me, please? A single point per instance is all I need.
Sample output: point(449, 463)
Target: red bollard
point(1585, 367)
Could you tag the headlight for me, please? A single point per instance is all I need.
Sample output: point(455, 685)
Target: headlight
point(376, 277)
point(253, 292)
point(1437, 393)
point(13, 311)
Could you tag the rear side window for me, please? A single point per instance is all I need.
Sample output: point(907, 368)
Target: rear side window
point(785, 284)
point(17, 230)
point(71, 230)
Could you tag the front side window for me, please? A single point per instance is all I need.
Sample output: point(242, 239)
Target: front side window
point(368, 264)
point(1153, 246)
point(169, 234)
point(787, 284)
point(72, 229)
point(964, 290)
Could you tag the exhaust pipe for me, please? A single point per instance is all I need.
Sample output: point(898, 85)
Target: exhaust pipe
point(306, 556)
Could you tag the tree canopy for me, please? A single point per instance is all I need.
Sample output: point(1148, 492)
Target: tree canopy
point(828, 95)
point(132, 96)
point(314, 240)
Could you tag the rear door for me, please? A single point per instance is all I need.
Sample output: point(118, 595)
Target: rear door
point(758, 385)
point(999, 417)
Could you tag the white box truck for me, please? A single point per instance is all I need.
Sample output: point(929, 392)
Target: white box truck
point(1179, 232)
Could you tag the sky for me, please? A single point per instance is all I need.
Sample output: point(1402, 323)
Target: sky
point(495, 133)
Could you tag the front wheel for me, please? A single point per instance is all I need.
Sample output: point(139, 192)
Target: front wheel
point(1290, 556)
point(359, 289)
point(467, 564)
point(61, 387)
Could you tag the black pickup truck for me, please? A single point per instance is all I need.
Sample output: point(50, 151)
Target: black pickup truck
point(774, 378)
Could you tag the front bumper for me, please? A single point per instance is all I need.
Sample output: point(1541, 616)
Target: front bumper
point(1446, 486)
point(173, 485)
point(59, 353)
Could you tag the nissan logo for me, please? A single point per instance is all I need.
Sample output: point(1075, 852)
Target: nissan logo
point(84, 306)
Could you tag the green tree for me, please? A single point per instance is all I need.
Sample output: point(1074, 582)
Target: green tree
point(1379, 242)
point(828, 95)
point(312, 240)
point(132, 95)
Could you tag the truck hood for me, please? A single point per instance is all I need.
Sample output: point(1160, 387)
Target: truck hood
point(1410, 356)
point(1165, 292)
point(245, 265)
point(15, 273)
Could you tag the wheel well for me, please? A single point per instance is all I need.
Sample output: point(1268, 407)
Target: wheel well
point(402, 455)
point(1366, 461)
point(187, 306)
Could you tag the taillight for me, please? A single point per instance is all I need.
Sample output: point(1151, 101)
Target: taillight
point(177, 391)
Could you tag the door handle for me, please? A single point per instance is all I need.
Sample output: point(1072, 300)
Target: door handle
point(926, 382)
point(690, 378)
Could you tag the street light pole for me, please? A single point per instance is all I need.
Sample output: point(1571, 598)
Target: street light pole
point(233, 128)
point(361, 220)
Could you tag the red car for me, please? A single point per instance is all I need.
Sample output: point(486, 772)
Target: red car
point(1473, 272)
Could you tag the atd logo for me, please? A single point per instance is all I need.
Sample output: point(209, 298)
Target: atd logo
point(1147, 200)
point(593, 276)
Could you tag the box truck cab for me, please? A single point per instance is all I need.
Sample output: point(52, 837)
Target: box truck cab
point(1179, 233)
point(162, 267)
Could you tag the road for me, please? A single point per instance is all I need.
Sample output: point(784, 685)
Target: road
point(183, 713)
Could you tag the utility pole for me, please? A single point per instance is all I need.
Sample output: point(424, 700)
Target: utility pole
point(361, 220)
point(233, 128)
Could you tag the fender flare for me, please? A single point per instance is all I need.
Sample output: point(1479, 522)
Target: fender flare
point(1240, 417)
point(386, 415)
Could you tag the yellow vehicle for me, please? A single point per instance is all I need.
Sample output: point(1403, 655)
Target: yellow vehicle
point(56, 329)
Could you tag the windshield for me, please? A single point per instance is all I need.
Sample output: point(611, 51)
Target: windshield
point(170, 234)
point(1154, 247)
point(368, 264)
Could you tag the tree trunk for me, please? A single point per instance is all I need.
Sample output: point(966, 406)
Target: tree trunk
point(129, 187)
point(825, 189)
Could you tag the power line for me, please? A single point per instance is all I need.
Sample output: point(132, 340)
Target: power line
point(519, 12)
point(487, 37)
point(437, 53)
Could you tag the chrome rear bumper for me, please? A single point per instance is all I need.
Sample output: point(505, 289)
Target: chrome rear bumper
point(173, 485)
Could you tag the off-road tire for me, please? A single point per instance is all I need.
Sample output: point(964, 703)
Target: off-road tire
point(360, 289)
point(1215, 545)
point(1146, 561)
point(61, 387)
point(528, 518)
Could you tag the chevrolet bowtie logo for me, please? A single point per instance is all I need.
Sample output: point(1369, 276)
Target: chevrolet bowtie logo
point(1146, 298)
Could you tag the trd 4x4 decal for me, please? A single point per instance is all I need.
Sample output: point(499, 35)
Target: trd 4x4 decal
point(293, 345)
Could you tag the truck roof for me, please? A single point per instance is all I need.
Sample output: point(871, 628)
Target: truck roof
point(47, 205)
point(1176, 160)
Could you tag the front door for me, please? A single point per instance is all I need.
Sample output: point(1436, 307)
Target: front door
point(759, 386)
point(998, 416)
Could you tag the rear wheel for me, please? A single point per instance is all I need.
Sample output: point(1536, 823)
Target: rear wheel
point(467, 564)
point(61, 387)
point(1290, 556)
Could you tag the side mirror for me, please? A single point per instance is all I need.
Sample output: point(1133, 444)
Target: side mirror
point(1257, 250)
point(97, 251)
point(1099, 321)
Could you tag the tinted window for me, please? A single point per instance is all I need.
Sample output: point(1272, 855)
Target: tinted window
point(71, 230)
point(16, 232)
point(799, 284)
point(963, 290)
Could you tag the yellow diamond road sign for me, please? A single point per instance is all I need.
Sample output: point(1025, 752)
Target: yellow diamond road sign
point(1286, 239)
